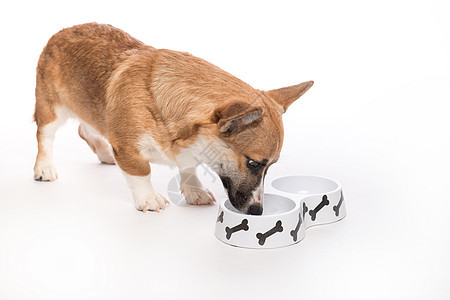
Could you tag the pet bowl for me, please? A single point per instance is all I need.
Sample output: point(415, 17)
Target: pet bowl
point(291, 205)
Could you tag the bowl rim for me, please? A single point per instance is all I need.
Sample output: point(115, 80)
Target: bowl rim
point(296, 206)
point(338, 184)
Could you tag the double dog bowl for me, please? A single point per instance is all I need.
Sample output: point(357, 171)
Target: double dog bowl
point(291, 205)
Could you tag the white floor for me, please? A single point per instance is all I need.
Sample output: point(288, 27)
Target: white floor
point(376, 120)
point(81, 238)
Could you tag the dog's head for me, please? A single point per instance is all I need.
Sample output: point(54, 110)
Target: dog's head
point(252, 134)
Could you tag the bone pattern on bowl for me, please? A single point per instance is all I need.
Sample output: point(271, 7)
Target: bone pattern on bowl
point(297, 232)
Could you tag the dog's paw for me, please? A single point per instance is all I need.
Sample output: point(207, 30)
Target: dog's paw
point(197, 195)
point(152, 203)
point(45, 172)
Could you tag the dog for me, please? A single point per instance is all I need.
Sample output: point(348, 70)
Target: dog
point(139, 105)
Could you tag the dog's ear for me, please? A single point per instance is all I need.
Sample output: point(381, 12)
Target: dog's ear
point(233, 117)
point(287, 95)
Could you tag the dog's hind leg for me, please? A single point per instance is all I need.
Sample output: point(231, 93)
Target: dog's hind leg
point(48, 119)
point(97, 142)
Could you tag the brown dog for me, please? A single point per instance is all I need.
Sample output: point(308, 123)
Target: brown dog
point(138, 104)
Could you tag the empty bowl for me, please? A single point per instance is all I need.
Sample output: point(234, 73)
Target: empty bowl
point(291, 205)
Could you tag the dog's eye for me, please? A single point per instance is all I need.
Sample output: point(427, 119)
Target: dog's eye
point(252, 164)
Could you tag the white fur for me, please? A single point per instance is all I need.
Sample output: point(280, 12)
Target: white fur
point(211, 152)
point(152, 151)
point(258, 195)
point(144, 195)
point(192, 189)
point(190, 157)
point(187, 160)
point(98, 143)
point(44, 168)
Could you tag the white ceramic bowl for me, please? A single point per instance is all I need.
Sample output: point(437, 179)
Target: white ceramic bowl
point(292, 204)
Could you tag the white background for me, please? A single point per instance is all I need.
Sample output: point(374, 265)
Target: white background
point(377, 120)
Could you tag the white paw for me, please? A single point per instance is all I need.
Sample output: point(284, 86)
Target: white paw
point(152, 203)
point(105, 154)
point(45, 172)
point(197, 195)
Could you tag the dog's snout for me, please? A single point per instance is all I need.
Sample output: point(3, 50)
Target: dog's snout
point(255, 209)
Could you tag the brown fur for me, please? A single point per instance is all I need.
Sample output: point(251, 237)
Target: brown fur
point(125, 89)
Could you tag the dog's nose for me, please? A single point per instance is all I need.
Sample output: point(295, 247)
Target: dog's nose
point(255, 209)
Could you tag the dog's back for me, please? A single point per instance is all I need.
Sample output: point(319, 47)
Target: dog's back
point(137, 104)
point(74, 69)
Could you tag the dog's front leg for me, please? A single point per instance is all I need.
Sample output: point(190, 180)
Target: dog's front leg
point(137, 172)
point(144, 195)
point(193, 190)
